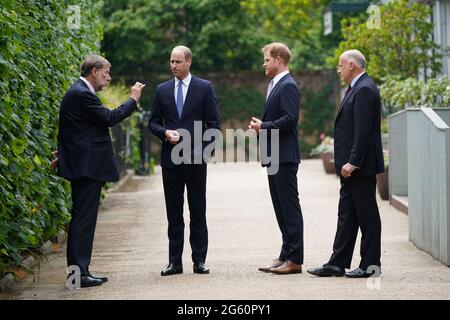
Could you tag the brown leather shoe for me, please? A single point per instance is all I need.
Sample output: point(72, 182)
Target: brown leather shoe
point(288, 267)
point(276, 263)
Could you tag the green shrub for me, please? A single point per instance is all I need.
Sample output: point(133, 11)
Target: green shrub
point(318, 111)
point(39, 58)
point(317, 117)
point(240, 103)
point(398, 94)
point(402, 45)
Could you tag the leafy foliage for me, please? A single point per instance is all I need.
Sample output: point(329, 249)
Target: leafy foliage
point(240, 103)
point(399, 94)
point(317, 117)
point(39, 55)
point(318, 111)
point(401, 46)
point(299, 24)
point(139, 35)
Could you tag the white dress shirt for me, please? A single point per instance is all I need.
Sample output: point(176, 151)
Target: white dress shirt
point(278, 77)
point(88, 84)
point(185, 86)
point(356, 79)
point(274, 81)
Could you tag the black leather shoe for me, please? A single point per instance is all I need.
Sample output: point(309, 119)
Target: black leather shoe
point(360, 273)
point(200, 268)
point(172, 269)
point(88, 281)
point(103, 278)
point(327, 271)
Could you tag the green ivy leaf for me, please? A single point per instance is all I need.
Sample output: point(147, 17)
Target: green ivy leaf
point(4, 252)
point(18, 147)
point(4, 161)
point(32, 84)
point(37, 160)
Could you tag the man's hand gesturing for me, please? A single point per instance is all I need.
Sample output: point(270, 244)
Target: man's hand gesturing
point(136, 91)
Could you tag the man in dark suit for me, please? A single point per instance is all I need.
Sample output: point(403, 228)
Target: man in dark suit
point(281, 113)
point(358, 158)
point(179, 105)
point(85, 156)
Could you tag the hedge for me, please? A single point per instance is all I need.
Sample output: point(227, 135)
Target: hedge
point(39, 58)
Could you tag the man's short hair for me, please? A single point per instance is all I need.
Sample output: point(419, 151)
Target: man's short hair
point(278, 49)
point(91, 62)
point(356, 56)
point(187, 52)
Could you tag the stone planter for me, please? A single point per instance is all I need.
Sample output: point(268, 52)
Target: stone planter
point(383, 184)
point(328, 162)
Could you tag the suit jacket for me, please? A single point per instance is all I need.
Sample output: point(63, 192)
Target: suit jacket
point(200, 105)
point(84, 143)
point(357, 133)
point(281, 111)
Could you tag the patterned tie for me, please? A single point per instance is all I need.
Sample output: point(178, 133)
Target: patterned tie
point(269, 89)
point(180, 98)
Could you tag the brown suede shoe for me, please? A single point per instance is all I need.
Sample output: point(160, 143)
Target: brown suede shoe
point(276, 263)
point(288, 267)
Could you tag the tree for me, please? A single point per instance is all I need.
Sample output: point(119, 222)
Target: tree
point(400, 47)
point(139, 35)
point(298, 23)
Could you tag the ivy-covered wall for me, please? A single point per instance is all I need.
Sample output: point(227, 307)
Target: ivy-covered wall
point(42, 44)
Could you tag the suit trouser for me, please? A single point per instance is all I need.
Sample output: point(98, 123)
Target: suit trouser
point(284, 192)
point(85, 203)
point(193, 176)
point(357, 209)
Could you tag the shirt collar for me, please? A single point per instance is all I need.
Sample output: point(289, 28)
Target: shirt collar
point(356, 79)
point(91, 88)
point(278, 77)
point(186, 81)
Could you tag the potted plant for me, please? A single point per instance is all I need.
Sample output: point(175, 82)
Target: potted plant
point(326, 150)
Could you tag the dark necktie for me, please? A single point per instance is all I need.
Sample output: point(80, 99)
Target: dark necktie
point(348, 90)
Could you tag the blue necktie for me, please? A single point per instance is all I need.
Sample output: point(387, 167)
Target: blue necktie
point(180, 98)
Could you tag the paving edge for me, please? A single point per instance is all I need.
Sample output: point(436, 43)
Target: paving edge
point(129, 173)
point(8, 281)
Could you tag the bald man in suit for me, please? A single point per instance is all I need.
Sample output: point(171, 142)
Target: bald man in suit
point(358, 158)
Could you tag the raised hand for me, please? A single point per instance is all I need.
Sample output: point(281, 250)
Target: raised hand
point(136, 91)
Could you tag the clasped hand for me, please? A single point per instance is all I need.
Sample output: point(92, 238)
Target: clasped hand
point(172, 136)
point(255, 124)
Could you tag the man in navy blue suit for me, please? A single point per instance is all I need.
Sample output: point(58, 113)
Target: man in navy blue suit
point(280, 119)
point(179, 105)
point(86, 158)
point(358, 158)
